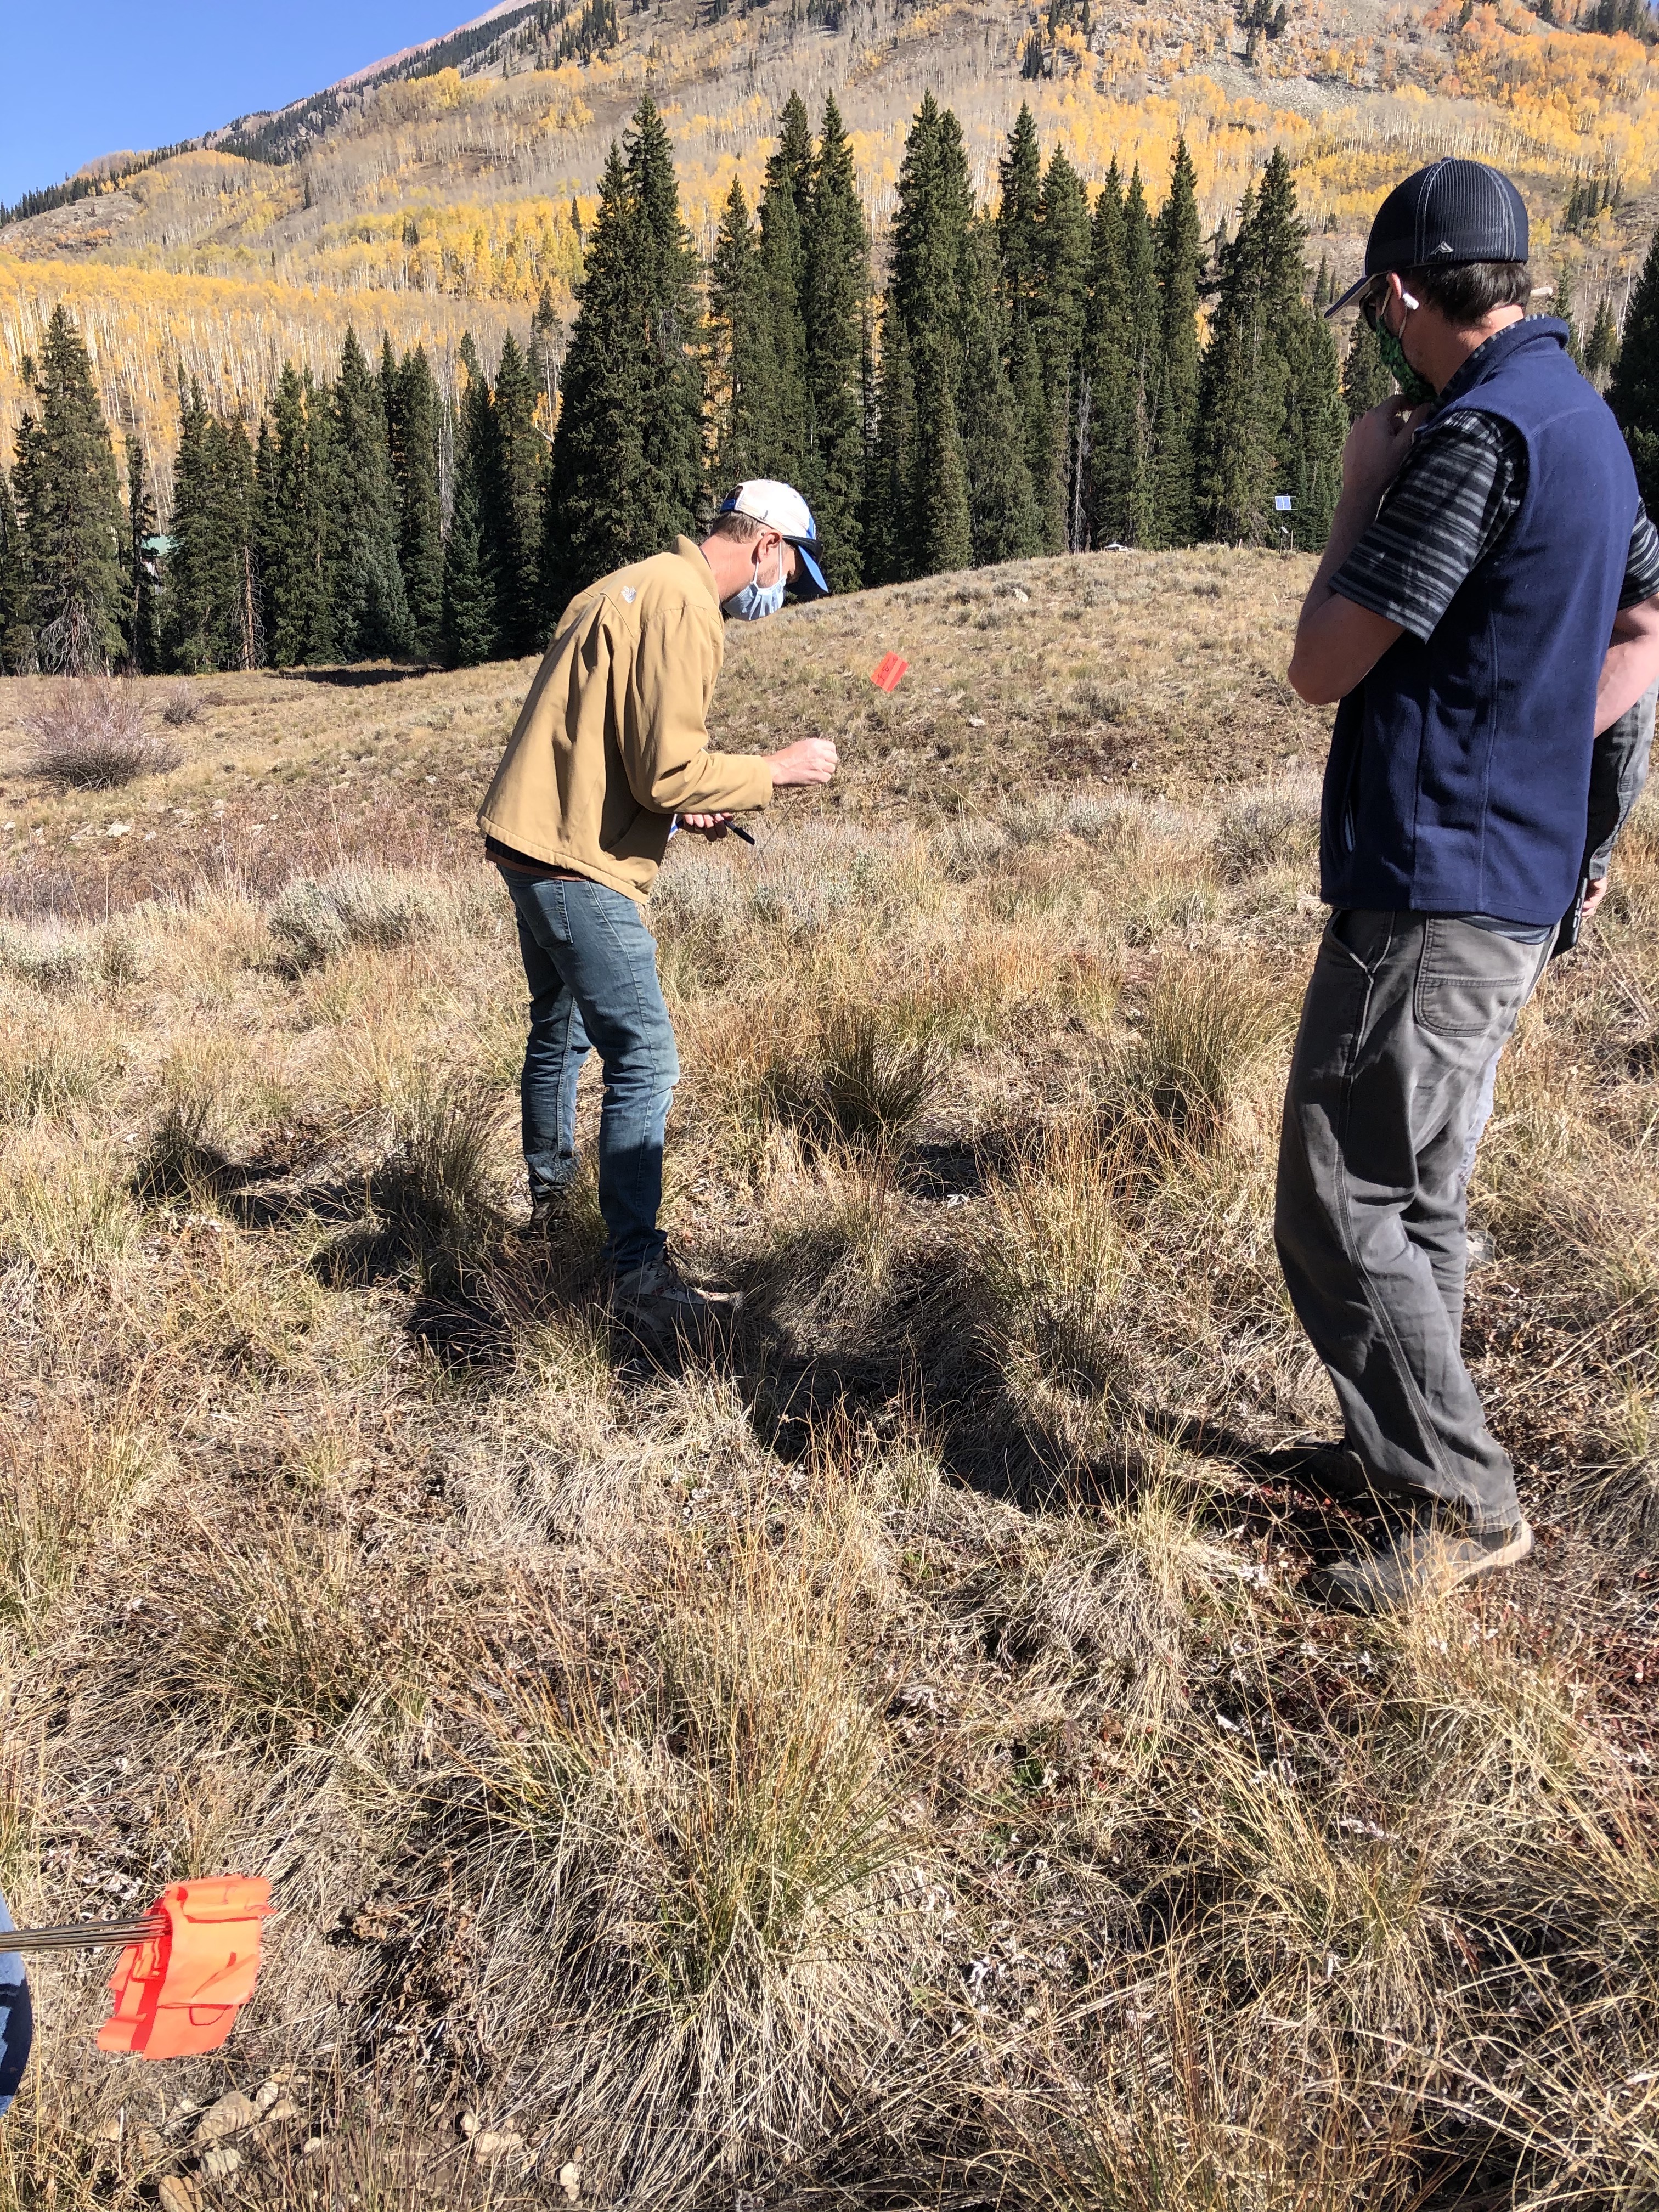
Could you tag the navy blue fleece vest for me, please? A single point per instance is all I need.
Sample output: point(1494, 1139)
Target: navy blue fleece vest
point(1458, 780)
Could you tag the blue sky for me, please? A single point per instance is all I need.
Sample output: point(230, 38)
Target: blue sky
point(84, 77)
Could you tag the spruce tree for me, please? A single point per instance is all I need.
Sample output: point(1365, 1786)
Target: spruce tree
point(743, 364)
point(1106, 355)
point(66, 487)
point(931, 261)
point(16, 631)
point(297, 514)
point(1062, 304)
point(470, 620)
point(1019, 217)
point(1003, 521)
point(1243, 397)
point(372, 612)
point(627, 458)
point(1601, 346)
point(1316, 427)
point(468, 624)
point(213, 614)
point(1143, 359)
point(143, 637)
point(519, 487)
point(413, 429)
point(889, 544)
point(1633, 387)
point(942, 533)
point(1366, 382)
point(836, 249)
point(784, 206)
point(1180, 252)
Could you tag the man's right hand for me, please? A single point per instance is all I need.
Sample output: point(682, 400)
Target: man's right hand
point(1377, 449)
point(809, 760)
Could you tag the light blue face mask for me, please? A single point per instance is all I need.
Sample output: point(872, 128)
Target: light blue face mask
point(756, 600)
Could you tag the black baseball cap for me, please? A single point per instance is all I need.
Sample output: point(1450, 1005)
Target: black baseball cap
point(1452, 211)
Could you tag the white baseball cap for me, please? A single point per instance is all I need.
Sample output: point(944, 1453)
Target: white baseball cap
point(780, 506)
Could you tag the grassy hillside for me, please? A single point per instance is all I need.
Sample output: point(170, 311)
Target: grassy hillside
point(425, 205)
point(892, 1757)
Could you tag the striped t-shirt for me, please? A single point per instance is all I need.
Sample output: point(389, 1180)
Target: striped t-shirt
point(1454, 496)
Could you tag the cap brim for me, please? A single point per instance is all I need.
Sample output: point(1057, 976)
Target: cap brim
point(813, 571)
point(1349, 296)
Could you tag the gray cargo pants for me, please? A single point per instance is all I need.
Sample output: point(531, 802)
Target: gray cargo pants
point(1403, 1016)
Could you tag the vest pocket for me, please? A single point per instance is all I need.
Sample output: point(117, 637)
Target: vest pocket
point(1470, 982)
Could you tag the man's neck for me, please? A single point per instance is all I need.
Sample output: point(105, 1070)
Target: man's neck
point(1451, 347)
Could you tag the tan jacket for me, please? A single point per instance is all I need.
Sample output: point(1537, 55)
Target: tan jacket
point(613, 739)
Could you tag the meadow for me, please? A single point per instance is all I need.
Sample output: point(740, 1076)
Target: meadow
point(891, 1753)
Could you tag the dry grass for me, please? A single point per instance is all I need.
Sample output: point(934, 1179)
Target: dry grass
point(894, 1759)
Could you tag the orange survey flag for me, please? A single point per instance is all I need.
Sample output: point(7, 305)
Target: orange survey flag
point(887, 671)
point(179, 1993)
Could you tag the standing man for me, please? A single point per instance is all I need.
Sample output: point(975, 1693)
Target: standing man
point(1484, 609)
point(611, 743)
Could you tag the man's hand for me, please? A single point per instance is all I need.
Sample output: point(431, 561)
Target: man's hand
point(1593, 896)
point(1375, 450)
point(809, 760)
point(705, 825)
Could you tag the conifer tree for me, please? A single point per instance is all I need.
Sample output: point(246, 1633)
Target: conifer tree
point(922, 331)
point(297, 519)
point(1633, 387)
point(143, 637)
point(942, 534)
point(1316, 427)
point(468, 624)
point(213, 616)
point(66, 487)
point(518, 489)
point(785, 206)
point(1065, 236)
point(1106, 352)
point(413, 431)
point(836, 249)
point(1179, 250)
point(471, 595)
point(626, 457)
point(1561, 306)
point(1003, 520)
point(370, 612)
point(546, 346)
point(889, 546)
point(1019, 217)
point(1138, 403)
point(1601, 346)
point(743, 365)
point(16, 631)
point(1366, 382)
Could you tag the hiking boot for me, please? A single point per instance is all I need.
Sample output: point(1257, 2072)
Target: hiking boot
point(1323, 1470)
point(1427, 1556)
point(657, 1298)
point(548, 1210)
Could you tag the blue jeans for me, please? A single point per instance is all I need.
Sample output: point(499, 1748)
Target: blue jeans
point(590, 963)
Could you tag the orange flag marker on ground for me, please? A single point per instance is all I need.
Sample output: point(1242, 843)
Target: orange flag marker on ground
point(178, 1992)
point(887, 672)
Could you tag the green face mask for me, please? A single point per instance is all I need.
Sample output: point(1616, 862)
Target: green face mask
point(1414, 387)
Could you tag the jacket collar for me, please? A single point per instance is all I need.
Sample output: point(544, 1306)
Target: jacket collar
point(691, 552)
point(1532, 331)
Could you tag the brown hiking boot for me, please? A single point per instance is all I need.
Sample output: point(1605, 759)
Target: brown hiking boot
point(657, 1300)
point(1428, 1556)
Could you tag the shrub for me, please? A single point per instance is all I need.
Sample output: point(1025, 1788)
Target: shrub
point(1277, 828)
point(91, 733)
point(183, 704)
point(317, 917)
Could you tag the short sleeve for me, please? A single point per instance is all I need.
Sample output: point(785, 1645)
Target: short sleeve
point(1641, 568)
point(1458, 491)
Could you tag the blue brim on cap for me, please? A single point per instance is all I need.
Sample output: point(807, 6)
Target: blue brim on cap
point(811, 568)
